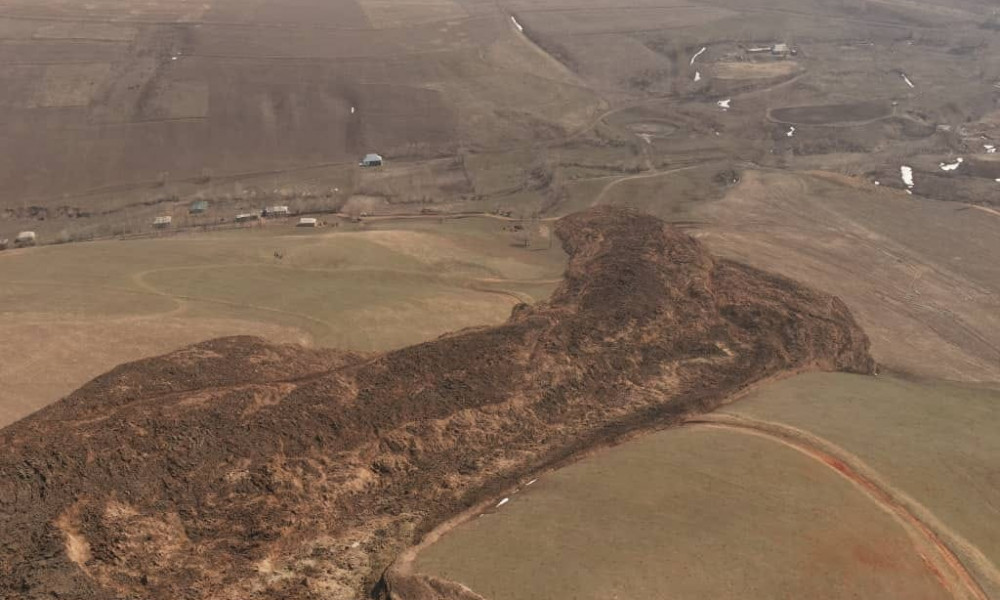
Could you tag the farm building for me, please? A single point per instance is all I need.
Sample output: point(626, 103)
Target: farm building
point(308, 222)
point(198, 207)
point(162, 222)
point(276, 211)
point(781, 49)
point(25, 238)
point(247, 217)
point(371, 160)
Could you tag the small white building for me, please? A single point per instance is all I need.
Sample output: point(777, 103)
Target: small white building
point(247, 217)
point(308, 222)
point(276, 211)
point(25, 238)
point(371, 160)
point(162, 222)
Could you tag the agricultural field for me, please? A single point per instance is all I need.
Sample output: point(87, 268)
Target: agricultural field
point(388, 284)
point(818, 486)
point(112, 105)
point(934, 445)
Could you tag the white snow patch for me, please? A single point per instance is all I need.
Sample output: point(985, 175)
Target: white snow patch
point(724, 104)
point(516, 24)
point(502, 502)
point(646, 137)
point(878, 183)
point(952, 166)
point(791, 132)
point(352, 110)
point(530, 482)
point(907, 174)
point(907, 80)
point(697, 76)
point(997, 180)
point(697, 54)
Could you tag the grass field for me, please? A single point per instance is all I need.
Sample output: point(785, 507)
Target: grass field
point(88, 307)
point(728, 508)
point(936, 443)
point(692, 513)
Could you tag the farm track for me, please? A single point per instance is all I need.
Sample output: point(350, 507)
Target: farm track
point(654, 173)
point(933, 540)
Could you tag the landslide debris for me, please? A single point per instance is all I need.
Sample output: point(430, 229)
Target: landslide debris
point(238, 469)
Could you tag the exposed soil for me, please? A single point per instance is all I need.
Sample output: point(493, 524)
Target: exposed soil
point(238, 469)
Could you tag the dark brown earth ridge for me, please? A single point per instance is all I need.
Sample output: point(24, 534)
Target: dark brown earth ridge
point(237, 469)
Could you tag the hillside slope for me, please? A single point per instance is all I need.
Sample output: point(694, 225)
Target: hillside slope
point(238, 469)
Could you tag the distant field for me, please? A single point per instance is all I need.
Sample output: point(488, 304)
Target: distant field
point(717, 511)
point(919, 275)
point(749, 70)
point(161, 93)
point(72, 312)
point(831, 113)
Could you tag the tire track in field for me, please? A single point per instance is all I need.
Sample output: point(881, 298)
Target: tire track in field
point(933, 540)
point(655, 173)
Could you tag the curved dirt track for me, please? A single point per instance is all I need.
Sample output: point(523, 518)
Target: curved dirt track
point(926, 531)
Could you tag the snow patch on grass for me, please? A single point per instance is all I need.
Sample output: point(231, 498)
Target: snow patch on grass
point(952, 166)
point(907, 174)
point(697, 54)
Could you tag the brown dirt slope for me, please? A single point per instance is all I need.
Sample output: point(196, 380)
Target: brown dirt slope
point(239, 469)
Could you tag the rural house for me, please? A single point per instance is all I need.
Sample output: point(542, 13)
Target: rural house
point(781, 49)
point(371, 160)
point(162, 222)
point(25, 238)
point(198, 207)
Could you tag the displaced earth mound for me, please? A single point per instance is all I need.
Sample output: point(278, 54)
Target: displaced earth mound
point(237, 469)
